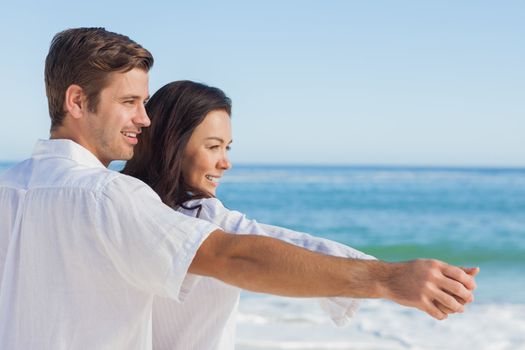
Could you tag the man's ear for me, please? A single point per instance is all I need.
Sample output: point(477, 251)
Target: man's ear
point(75, 103)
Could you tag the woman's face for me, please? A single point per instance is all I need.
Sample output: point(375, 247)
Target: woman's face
point(205, 158)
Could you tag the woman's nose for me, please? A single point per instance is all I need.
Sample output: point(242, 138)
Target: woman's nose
point(225, 163)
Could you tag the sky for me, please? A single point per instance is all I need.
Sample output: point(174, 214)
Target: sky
point(423, 83)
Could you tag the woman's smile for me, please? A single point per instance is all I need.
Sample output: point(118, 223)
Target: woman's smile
point(205, 158)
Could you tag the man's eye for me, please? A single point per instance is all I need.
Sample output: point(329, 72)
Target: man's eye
point(228, 148)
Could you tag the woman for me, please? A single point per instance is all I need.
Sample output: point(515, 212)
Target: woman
point(182, 156)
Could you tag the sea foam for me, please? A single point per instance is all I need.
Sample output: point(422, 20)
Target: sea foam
point(267, 322)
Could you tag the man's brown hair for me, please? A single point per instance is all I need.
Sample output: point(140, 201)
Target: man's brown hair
point(86, 57)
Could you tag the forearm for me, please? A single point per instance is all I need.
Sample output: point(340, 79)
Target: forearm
point(268, 265)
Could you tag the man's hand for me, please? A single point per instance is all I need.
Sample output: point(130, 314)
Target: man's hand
point(472, 271)
point(431, 286)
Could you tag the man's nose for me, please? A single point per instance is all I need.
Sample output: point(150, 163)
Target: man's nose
point(142, 118)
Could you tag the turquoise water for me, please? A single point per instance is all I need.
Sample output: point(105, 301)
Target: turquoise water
point(471, 217)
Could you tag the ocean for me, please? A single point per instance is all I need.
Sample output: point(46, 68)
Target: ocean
point(464, 216)
point(468, 217)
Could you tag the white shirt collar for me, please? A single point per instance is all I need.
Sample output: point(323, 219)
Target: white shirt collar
point(64, 148)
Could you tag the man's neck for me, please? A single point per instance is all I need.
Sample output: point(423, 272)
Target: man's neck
point(63, 133)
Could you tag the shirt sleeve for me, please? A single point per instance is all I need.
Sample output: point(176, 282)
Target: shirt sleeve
point(150, 244)
point(339, 309)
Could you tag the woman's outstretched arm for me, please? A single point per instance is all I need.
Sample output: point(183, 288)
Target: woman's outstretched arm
point(233, 221)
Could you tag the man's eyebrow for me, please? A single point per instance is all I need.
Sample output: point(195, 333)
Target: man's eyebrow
point(133, 97)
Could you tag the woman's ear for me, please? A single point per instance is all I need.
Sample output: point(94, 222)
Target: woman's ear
point(75, 102)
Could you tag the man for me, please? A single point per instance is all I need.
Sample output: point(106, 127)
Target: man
point(83, 250)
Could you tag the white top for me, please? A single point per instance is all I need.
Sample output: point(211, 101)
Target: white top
point(206, 319)
point(83, 250)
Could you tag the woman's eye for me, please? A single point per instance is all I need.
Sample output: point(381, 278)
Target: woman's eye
point(228, 148)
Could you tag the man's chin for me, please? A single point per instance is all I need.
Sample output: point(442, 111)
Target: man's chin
point(127, 155)
point(122, 157)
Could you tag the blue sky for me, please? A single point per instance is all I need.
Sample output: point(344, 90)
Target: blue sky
point(315, 82)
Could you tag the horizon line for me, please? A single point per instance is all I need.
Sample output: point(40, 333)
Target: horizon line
point(355, 165)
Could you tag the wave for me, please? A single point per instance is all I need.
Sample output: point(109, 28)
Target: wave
point(454, 254)
point(353, 175)
point(379, 324)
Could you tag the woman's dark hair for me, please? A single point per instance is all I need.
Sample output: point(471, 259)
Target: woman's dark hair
point(175, 111)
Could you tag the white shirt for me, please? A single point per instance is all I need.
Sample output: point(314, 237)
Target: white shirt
point(83, 250)
point(206, 319)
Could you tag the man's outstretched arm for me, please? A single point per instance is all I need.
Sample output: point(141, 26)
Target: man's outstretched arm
point(268, 265)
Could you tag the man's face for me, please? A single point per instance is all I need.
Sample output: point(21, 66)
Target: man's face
point(111, 132)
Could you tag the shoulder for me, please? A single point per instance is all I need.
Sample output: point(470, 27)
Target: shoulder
point(212, 210)
point(116, 179)
point(114, 185)
point(58, 173)
point(17, 175)
point(207, 208)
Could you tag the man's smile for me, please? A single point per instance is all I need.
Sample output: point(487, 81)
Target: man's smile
point(131, 136)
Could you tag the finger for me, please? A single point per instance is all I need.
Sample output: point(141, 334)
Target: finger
point(442, 308)
point(434, 311)
point(461, 301)
point(456, 290)
point(448, 301)
point(472, 271)
point(459, 275)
